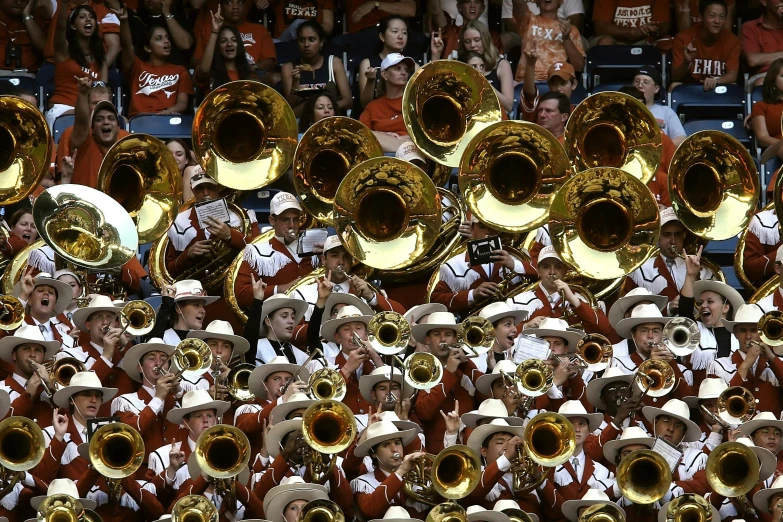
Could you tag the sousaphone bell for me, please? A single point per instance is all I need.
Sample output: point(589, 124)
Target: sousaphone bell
point(604, 223)
point(714, 185)
point(140, 172)
point(244, 135)
point(509, 174)
point(25, 148)
point(387, 213)
point(327, 152)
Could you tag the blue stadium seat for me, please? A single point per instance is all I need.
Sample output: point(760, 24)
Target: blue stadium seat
point(611, 63)
point(731, 277)
point(24, 81)
point(162, 126)
point(756, 95)
point(258, 201)
point(727, 246)
point(691, 102)
point(732, 127)
point(60, 124)
point(45, 78)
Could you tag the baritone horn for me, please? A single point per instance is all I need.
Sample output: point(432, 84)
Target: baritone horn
point(596, 351)
point(549, 439)
point(644, 476)
point(736, 405)
point(771, 329)
point(60, 508)
point(456, 472)
point(194, 508)
point(137, 318)
point(116, 451)
point(732, 469)
point(191, 355)
point(444, 105)
point(11, 313)
point(328, 426)
point(447, 512)
point(22, 447)
point(422, 370)
point(534, 377)
point(388, 333)
point(418, 481)
point(222, 451)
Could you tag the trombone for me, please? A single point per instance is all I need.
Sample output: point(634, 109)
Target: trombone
point(736, 405)
point(238, 382)
point(191, 355)
point(655, 378)
point(596, 351)
point(116, 451)
point(137, 318)
point(329, 428)
point(680, 336)
point(62, 371)
point(314, 353)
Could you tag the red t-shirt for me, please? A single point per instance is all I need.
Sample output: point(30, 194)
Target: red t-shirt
point(286, 11)
point(384, 115)
point(66, 90)
point(756, 38)
point(13, 32)
point(155, 88)
point(88, 161)
point(258, 42)
point(108, 23)
point(772, 112)
point(631, 13)
point(711, 60)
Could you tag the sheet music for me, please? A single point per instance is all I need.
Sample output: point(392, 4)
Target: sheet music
point(668, 451)
point(529, 347)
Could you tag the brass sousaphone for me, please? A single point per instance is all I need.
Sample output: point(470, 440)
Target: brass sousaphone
point(444, 105)
point(140, 172)
point(604, 223)
point(714, 185)
point(244, 135)
point(327, 151)
point(612, 129)
point(387, 213)
point(509, 174)
point(25, 148)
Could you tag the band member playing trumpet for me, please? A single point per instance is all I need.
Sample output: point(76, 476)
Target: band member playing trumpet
point(622, 308)
point(386, 392)
point(326, 308)
point(182, 310)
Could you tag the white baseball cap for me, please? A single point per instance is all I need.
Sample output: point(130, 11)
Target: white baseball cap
point(331, 242)
point(395, 58)
point(549, 252)
point(200, 177)
point(668, 215)
point(283, 201)
point(408, 151)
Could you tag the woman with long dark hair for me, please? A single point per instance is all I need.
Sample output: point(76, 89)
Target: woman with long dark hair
point(224, 58)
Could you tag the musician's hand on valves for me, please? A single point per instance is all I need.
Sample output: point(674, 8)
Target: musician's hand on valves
point(218, 229)
point(456, 357)
point(60, 424)
point(502, 257)
point(166, 383)
point(754, 352)
point(562, 373)
point(570, 296)
point(298, 386)
point(510, 450)
point(407, 462)
point(111, 339)
point(199, 248)
point(627, 407)
point(486, 289)
point(452, 420)
point(356, 358)
point(219, 391)
point(361, 287)
point(661, 353)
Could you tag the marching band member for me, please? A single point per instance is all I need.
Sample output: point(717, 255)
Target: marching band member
point(711, 431)
point(284, 502)
point(71, 279)
point(45, 299)
point(552, 297)
point(621, 309)
point(326, 308)
point(62, 486)
point(765, 431)
point(754, 365)
point(768, 501)
point(277, 260)
point(573, 509)
point(504, 320)
point(762, 252)
point(386, 392)
point(672, 423)
point(498, 387)
point(182, 310)
point(774, 301)
point(487, 411)
point(271, 325)
point(418, 315)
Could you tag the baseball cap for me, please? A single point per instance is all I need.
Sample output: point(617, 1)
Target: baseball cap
point(668, 215)
point(104, 106)
point(283, 201)
point(562, 70)
point(200, 177)
point(332, 242)
point(395, 58)
point(548, 252)
point(408, 151)
point(652, 72)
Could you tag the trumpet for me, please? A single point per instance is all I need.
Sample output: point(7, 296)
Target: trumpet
point(191, 355)
point(736, 405)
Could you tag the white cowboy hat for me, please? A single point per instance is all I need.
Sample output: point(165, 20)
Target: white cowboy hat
point(222, 330)
point(662, 513)
point(290, 489)
point(83, 381)
point(277, 433)
point(761, 499)
point(637, 295)
point(571, 508)
point(402, 425)
point(554, 327)
point(478, 435)
point(478, 513)
point(277, 302)
point(196, 400)
point(680, 411)
point(435, 320)
point(490, 409)
point(574, 409)
point(98, 303)
point(347, 314)
point(767, 460)
point(745, 314)
point(596, 386)
point(381, 374)
point(63, 290)
point(498, 310)
point(130, 362)
point(279, 364)
point(485, 382)
point(414, 314)
point(395, 514)
point(380, 431)
point(762, 419)
point(344, 298)
point(642, 314)
point(297, 401)
point(710, 388)
point(190, 289)
point(512, 509)
point(62, 486)
point(27, 334)
point(631, 435)
point(734, 297)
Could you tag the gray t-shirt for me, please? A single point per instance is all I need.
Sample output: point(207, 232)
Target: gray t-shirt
point(668, 120)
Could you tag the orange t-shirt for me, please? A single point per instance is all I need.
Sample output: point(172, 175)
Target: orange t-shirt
point(88, 161)
point(66, 90)
point(544, 35)
point(384, 115)
point(64, 145)
point(631, 13)
point(369, 20)
point(13, 32)
point(286, 11)
point(258, 42)
point(771, 112)
point(696, 15)
point(206, 87)
point(711, 60)
point(108, 23)
point(155, 88)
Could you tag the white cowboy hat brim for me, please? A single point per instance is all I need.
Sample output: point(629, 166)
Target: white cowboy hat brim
point(723, 289)
point(81, 315)
point(8, 343)
point(345, 298)
point(130, 363)
point(270, 306)
point(472, 418)
point(36, 501)
point(749, 427)
point(279, 497)
point(420, 331)
point(624, 326)
point(62, 395)
point(64, 292)
point(613, 447)
point(572, 338)
point(281, 411)
point(692, 430)
point(761, 499)
point(368, 382)
point(255, 382)
point(571, 508)
point(241, 345)
point(518, 315)
point(596, 386)
point(363, 449)
point(175, 415)
point(277, 433)
point(488, 516)
point(208, 299)
point(328, 328)
point(478, 435)
point(621, 306)
point(594, 420)
point(693, 400)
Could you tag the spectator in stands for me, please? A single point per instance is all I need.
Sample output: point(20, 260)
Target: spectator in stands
point(706, 53)
point(21, 226)
point(108, 27)
point(186, 162)
point(629, 21)
point(561, 78)
point(223, 60)
point(21, 37)
point(97, 94)
point(384, 115)
point(552, 113)
point(476, 38)
point(257, 42)
point(762, 41)
point(688, 13)
point(571, 10)
point(365, 14)
point(290, 14)
point(316, 108)
point(393, 36)
point(446, 33)
point(476, 61)
point(765, 115)
point(552, 39)
point(648, 80)
point(313, 71)
point(156, 86)
point(79, 53)
point(161, 13)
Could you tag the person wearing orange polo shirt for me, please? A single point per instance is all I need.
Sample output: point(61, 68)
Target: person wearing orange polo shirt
point(629, 22)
